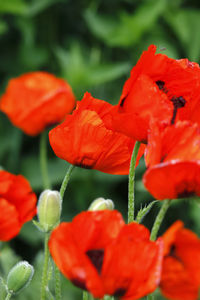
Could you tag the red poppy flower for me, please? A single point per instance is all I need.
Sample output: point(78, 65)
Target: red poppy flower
point(17, 204)
point(160, 88)
point(84, 139)
point(173, 158)
point(181, 266)
point(36, 100)
point(101, 254)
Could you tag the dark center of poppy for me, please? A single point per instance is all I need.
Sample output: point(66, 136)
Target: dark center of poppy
point(187, 194)
point(160, 84)
point(178, 102)
point(79, 283)
point(120, 292)
point(96, 256)
point(172, 253)
point(122, 101)
point(84, 166)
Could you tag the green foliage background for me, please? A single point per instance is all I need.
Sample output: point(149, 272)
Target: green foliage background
point(93, 45)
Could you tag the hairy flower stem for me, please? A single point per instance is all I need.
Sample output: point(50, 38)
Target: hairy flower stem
point(131, 183)
point(85, 296)
point(57, 283)
point(150, 297)
point(9, 295)
point(43, 160)
point(45, 268)
point(159, 219)
point(66, 180)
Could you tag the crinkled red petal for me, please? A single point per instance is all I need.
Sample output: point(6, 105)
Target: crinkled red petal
point(174, 179)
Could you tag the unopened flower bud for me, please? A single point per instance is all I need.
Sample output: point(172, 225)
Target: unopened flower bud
point(101, 204)
point(49, 210)
point(19, 276)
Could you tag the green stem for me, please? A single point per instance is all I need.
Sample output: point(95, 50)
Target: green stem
point(9, 295)
point(159, 219)
point(150, 297)
point(66, 180)
point(45, 268)
point(85, 296)
point(57, 283)
point(131, 184)
point(43, 160)
point(50, 296)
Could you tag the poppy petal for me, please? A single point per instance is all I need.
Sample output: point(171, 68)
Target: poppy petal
point(125, 256)
point(176, 284)
point(44, 100)
point(20, 200)
point(71, 246)
point(9, 222)
point(174, 179)
point(85, 140)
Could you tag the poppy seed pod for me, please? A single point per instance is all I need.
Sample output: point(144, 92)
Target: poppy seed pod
point(49, 210)
point(101, 204)
point(19, 276)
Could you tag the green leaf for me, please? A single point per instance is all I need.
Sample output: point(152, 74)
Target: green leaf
point(3, 27)
point(3, 291)
point(17, 7)
point(143, 211)
point(21, 7)
point(37, 225)
point(82, 70)
point(185, 23)
point(30, 168)
point(37, 6)
point(8, 259)
point(30, 234)
point(129, 28)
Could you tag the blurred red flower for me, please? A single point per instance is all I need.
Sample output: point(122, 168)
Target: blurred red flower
point(173, 160)
point(17, 204)
point(101, 254)
point(161, 88)
point(181, 266)
point(86, 139)
point(36, 100)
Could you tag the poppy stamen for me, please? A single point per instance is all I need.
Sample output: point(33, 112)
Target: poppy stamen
point(79, 283)
point(96, 256)
point(122, 101)
point(178, 102)
point(120, 292)
point(160, 84)
point(172, 253)
point(187, 194)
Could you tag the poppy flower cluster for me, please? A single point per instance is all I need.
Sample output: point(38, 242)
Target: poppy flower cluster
point(102, 255)
point(17, 204)
point(159, 88)
point(159, 106)
point(180, 278)
point(97, 251)
point(36, 100)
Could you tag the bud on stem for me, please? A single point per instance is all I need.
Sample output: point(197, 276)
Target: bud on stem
point(19, 277)
point(49, 210)
point(101, 204)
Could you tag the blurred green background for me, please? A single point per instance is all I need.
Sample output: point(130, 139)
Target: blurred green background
point(93, 45)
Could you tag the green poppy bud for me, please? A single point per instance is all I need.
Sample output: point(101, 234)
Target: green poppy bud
point(19, 276)
point(49, 210)
point(101, 204)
